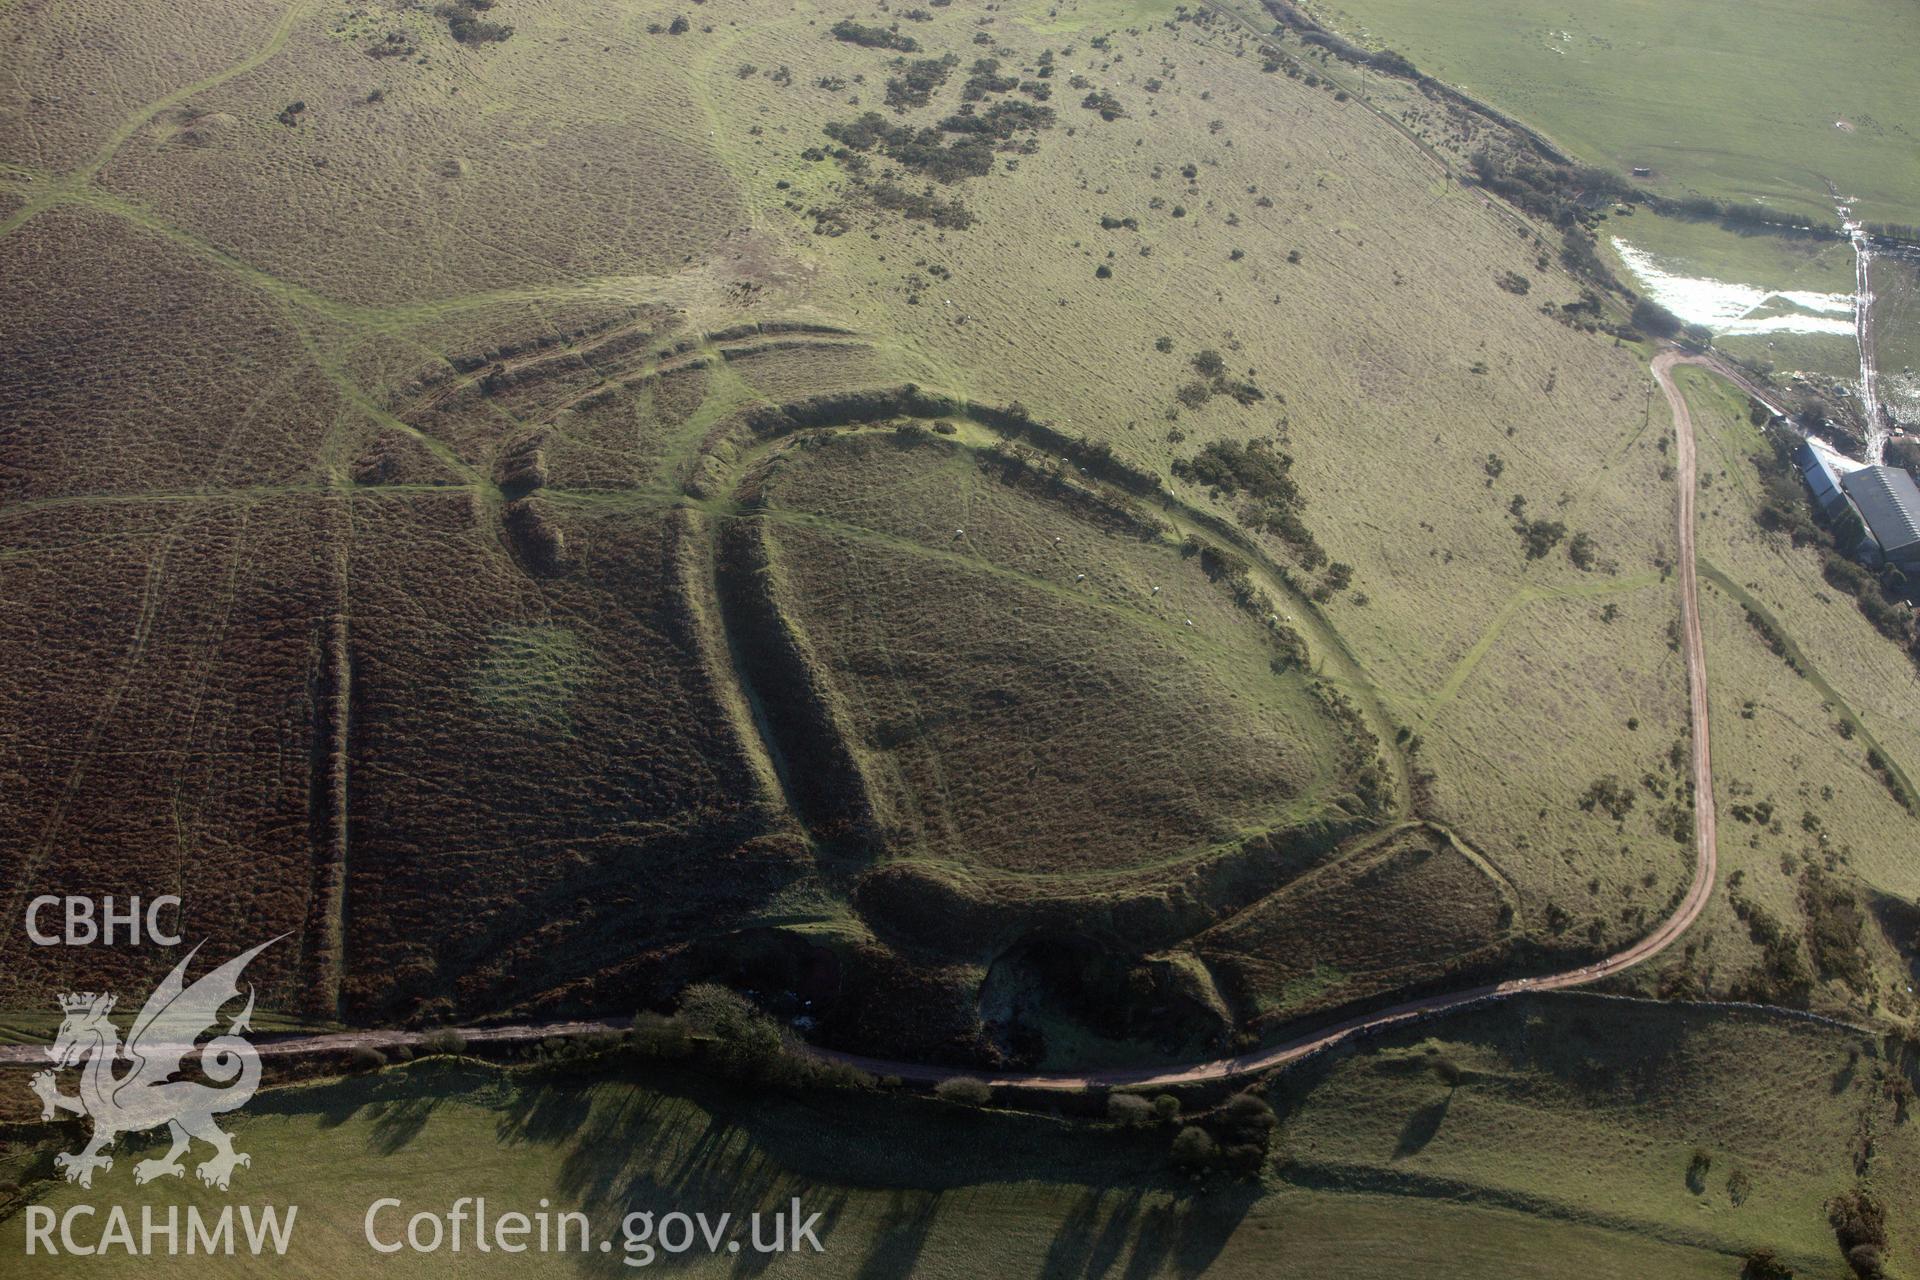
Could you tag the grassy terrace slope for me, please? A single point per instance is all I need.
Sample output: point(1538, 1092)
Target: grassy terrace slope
point(1896, 320)
point(1765, 101)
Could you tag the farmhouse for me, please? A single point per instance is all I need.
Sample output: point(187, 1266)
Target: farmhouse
point(1889, 504)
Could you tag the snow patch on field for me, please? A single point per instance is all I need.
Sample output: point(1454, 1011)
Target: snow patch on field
point(1727, 307)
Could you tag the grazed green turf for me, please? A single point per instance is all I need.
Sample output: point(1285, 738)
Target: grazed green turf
point(1735, 98)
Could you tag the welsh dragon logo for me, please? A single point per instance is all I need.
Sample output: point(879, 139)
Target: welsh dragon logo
point(147, 1095)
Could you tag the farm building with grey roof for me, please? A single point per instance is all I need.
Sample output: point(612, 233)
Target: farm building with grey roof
point(1889, 504)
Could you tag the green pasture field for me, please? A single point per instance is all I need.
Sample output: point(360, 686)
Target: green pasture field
point(1339, 333)
point(1753, 101)
point(1766, 261)
point(1896, 316)
point(1562, 1146)
point(1591, 1110)
point(1867, 673)
point(1587, 880)
point(1770, 262)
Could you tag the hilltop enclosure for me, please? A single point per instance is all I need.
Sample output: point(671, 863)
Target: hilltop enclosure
point(995, 527)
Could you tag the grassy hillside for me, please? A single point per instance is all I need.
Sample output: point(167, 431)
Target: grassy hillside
point(1046, 535)
point(449, 341)
point(1813, 900)
point(1762, 102)
point(1596, 1111)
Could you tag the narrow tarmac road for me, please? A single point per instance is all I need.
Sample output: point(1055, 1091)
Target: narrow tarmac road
point(1705, 871)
